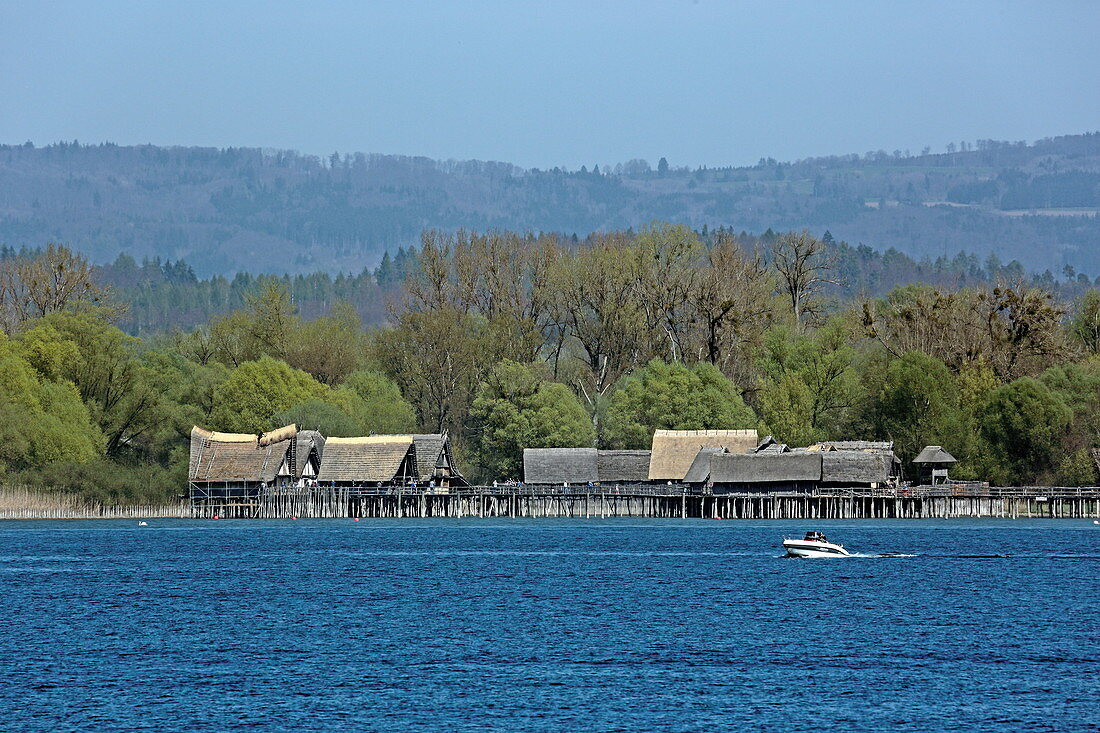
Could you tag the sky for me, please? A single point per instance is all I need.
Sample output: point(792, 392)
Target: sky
point(544, 84)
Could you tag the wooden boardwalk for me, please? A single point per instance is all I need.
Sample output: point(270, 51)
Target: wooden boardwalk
point(649, 501)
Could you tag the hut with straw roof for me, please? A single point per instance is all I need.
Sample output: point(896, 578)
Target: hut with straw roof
point(675, 450)
point(240, 463)
point(369, 460)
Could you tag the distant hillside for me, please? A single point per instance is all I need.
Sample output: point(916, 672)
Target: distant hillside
point(255, 210)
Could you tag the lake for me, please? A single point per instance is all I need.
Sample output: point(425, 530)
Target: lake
point(525, 625)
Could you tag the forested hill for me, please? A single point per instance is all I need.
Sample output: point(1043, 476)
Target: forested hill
point(256, 210)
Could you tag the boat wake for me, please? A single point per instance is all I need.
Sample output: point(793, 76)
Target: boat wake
point(864, 555)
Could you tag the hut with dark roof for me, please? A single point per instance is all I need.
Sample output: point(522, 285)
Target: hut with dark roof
point(581, 466)
point(698, 474)
point(856, 463)
point(764, 472)
point(622, 466)
point(932, 464)
point(775, 467)
point(435, 460)
point(870, 446)
point(369, 460)
point(675, 450)
point(856, 469)
point(560, 466)
point(240, 463)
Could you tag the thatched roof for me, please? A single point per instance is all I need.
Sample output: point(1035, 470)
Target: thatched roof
point(752, 468)
point(623, 466)
point(367, 459)
point(278, 436)
point(237, 457)
point(674, 450)
point(934, 454)
point(874, 446)
point(560, 465)
point(855, 467)
point(433, 451)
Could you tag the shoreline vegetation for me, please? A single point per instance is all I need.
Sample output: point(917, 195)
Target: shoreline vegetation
point(508, 341)
point(21, 502)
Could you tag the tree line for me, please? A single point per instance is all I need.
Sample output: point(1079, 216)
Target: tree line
point(232, 210)
point(509, 340)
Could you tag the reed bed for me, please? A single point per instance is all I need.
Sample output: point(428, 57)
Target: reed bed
point(24, 502)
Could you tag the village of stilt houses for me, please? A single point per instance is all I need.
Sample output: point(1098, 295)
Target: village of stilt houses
point(719, 474)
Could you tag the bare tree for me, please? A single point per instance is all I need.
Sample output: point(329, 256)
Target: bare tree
point(732, 305)
point(804, 266)
point(51, 280)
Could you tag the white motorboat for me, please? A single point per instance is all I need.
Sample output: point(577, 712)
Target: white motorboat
point(814, 544)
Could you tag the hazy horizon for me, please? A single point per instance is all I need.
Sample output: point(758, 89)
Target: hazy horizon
point(698, 83)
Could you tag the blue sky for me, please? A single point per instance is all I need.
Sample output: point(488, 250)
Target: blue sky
point(550, 83)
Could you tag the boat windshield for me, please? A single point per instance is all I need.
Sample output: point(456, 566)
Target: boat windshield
point(816, 536)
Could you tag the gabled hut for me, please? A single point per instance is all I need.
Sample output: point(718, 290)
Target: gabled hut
point(370, 460)
point(932, 463)
point(675, 450)
point(435, 460)
point(241, 462)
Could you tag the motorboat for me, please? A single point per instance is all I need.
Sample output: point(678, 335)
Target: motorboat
point(814, 544)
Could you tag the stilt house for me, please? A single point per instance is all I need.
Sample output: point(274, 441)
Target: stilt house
point(932, 464)
point(435, 460)
point(583, 466)
point(390, 460)
point(241, 464)
point(675, 450)
point(775, 467)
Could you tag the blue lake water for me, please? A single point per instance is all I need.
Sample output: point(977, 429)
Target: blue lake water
point(608, 625)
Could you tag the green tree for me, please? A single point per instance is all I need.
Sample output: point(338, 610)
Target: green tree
point(914, 401)
point(254, 394)
point(383, 409)
point(1023, 423)
point(673, 397)
point(809, 386)
point(330, 347)
point(105, 368)
point(787, 409)
point(516, 408)
point(40, 421)
point(185, 391)
point(330, 420)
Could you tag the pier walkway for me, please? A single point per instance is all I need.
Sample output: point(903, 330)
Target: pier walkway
point(645, 500)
